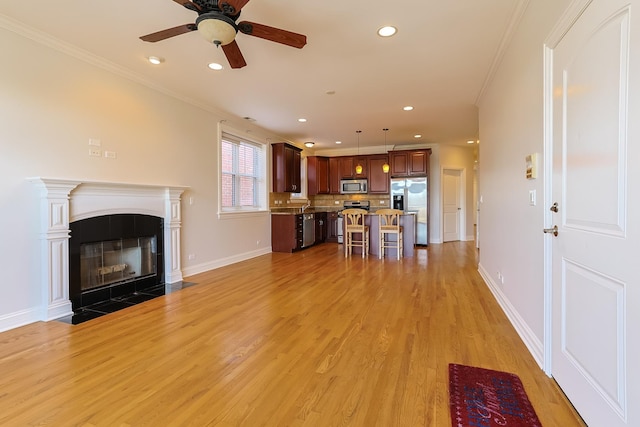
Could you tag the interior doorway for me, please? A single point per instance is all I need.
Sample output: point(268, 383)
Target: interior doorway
point(453, 204)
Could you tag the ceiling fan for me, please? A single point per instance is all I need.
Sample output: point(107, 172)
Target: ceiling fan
point(217, 23)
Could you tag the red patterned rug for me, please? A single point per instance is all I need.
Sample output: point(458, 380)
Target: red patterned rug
point(485, 398)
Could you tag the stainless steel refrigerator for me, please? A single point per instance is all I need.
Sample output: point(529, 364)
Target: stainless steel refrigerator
point(411, 196)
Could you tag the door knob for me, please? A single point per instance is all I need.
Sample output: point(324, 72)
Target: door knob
point(554, 207)
point(553, 230)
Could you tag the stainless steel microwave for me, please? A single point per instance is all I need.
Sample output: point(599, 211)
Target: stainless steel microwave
point(353, 186)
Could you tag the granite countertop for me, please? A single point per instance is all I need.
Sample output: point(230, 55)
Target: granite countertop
point(296, 210)
point(319, 209)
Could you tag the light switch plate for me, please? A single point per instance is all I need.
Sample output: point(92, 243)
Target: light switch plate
point(532, 197)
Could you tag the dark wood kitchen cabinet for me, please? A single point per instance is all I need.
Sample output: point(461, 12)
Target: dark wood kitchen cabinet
point(409, 163)
point(321, 227)
point(378, 180)
point(332, 227)
point(286, 233)
point(347, 167)
point(286, 168)
point(317, 175)
point(334, 175)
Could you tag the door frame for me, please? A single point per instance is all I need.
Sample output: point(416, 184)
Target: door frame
point(463, 202)
point(570, 16)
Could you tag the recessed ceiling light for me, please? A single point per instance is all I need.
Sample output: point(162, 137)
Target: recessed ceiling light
point(338, 142)
point(407, 108)
point(417, 135)
point(155, 60)
point(471, 141)
point(387, 31)
point(215, 66)
point(302, 120)
point(309, 144)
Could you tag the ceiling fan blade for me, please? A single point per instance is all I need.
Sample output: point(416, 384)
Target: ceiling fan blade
point(169, 32)
point(273, 34)
point(231, 7)
point(189, 5)
point(233, 54)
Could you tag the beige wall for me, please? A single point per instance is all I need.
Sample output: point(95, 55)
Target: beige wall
point(511, 127)
point(51, 104)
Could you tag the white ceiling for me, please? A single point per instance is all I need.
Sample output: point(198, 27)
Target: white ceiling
point(438, 62)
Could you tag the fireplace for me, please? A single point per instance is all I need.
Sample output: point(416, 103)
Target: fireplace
point(114, 255)
point(65, 202)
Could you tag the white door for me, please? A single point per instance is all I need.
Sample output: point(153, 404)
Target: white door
point(451, 206)
point(595, 278)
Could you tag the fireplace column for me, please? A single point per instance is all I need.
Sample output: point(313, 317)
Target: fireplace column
point(172, 224)
point(54, 235)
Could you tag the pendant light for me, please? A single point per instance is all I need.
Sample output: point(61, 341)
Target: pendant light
point(358, 165)
point(385, 166)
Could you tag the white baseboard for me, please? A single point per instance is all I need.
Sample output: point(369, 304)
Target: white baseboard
point(19, 318)
point(201, 268)
point(524, 331)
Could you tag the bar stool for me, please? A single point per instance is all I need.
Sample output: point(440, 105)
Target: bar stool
point(389, 221)
point(354, 224)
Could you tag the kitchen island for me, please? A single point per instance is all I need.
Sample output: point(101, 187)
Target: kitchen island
point(408, 223)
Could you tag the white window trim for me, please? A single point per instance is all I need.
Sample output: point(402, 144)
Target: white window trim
point(263, 208)
point(302, 195)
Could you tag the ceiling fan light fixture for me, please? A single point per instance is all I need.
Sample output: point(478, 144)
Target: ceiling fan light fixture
point(217, 28)
point(155, 60)
point(215, 66)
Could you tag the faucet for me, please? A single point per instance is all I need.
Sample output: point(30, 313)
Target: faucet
point(306, 206)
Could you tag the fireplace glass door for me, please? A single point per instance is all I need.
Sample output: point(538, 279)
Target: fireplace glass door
point(115, 261)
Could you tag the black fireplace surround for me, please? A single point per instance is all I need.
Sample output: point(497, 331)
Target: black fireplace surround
point(105, 236)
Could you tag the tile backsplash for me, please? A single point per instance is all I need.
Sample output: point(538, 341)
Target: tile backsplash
point(283, 200)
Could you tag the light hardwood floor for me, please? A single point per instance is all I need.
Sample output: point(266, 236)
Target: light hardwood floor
point(304, 339)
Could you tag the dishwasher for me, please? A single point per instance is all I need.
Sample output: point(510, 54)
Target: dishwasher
point(308, 230)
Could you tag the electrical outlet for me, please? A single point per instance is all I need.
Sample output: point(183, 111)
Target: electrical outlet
point(94, 142)
point(95, 152)
point(110, 154)
point(192, 257)
point(500, 277)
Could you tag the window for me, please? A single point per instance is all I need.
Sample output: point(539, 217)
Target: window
point(243, 174)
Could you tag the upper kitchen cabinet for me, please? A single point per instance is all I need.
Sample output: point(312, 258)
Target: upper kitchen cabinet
point(334, 175)
point(409, 163)
point(347, 167)
point(286, 168)
point(378, 180)
point(317, 175)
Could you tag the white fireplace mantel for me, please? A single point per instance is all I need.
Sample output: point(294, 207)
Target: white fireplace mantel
point(66, 200)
